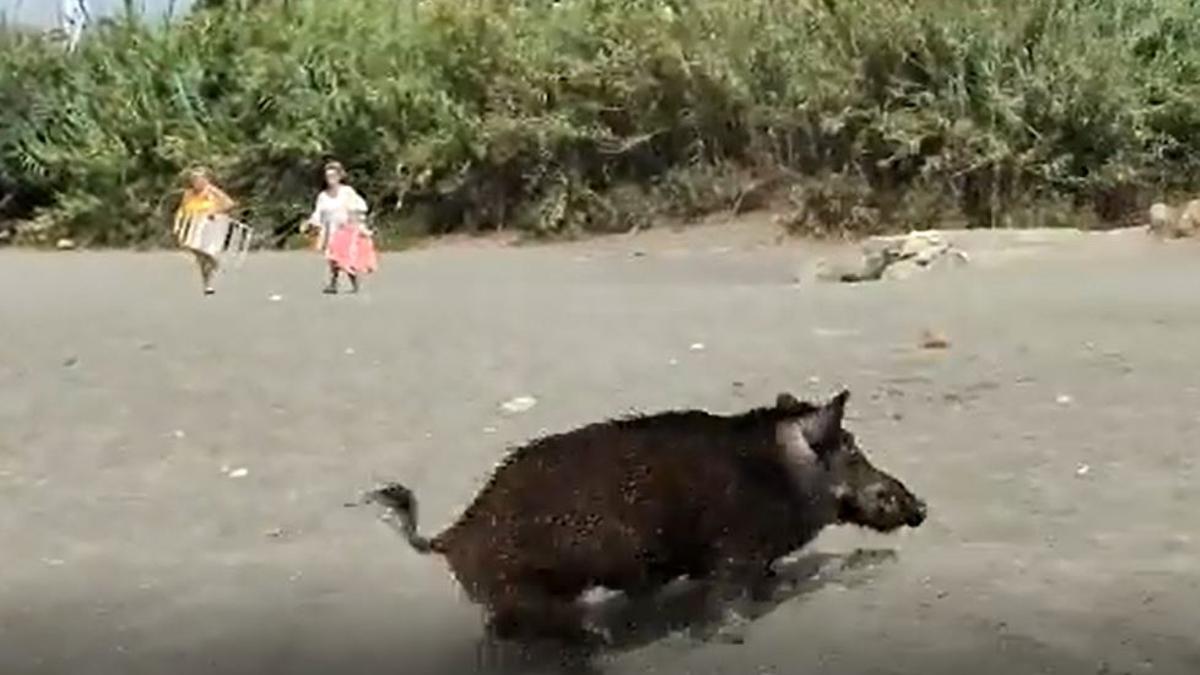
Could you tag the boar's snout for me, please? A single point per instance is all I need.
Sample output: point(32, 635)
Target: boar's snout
point(884, 505)
point(917, 515)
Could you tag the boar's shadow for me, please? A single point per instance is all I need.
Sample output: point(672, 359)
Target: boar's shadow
point(677, 610)
point(679, 607)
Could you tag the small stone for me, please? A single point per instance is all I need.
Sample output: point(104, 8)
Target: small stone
point(835, 332)
point(697, 347)
point(65, 244)
point(814, 380)
point(239, 473)
point(520, 404)
point(932, 340)
point(70, 362)
point(489, 430)
point(1064, 399)
point(179, 433)
point(275, 298)
point(274, 533)
point(672, 362)
point(349, 351)
point(1082, 470)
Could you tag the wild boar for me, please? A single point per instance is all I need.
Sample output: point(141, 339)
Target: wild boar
point(631, 504)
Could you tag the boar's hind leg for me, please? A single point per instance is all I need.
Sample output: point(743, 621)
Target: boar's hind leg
point(529, 612)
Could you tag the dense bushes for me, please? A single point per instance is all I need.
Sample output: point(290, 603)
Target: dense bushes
point(592, 115)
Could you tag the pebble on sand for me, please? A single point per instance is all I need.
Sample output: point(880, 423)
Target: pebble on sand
point(520, 404)
point(1064, 399)
point(932, 340)
point(240, 472)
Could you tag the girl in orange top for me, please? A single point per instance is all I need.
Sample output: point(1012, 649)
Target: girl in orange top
point(197, 226)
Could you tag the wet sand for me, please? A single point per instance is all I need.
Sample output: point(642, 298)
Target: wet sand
point(1054, 441)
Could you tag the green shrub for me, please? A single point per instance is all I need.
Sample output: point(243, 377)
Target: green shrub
point(595, 115)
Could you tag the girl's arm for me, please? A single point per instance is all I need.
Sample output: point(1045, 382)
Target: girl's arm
point(314, 219)
point(224, 202)
point(357, 206)
point(354, 201)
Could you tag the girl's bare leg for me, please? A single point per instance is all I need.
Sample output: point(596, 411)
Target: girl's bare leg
point(334, 273)
point(207, 266)
point(212, 270)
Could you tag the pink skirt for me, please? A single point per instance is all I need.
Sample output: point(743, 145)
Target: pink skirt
point(352, 251)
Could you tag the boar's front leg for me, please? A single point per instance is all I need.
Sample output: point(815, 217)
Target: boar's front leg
point(731, 591)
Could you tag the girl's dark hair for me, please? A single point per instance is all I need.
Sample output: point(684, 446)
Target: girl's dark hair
point(336, 166)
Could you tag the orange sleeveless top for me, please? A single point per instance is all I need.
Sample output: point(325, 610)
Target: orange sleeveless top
point(197, 202)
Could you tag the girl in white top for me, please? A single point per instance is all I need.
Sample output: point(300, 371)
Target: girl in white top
point(344, 238)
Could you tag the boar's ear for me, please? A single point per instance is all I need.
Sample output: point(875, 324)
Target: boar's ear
point(790, 435)
point(823, 427)
point(786, 402)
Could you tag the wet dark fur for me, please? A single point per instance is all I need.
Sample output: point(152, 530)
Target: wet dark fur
point(630, 505)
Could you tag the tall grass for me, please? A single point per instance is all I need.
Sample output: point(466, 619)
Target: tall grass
point(589, 114)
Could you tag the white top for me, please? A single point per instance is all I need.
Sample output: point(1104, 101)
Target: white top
point(336, 210)
point(74, 12)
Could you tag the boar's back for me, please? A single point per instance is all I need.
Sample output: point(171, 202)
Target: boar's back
point(631, 503)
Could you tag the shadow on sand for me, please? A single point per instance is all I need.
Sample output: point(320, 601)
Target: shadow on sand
point(675, 613)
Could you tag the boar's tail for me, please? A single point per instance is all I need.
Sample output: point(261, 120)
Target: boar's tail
point(402, 515)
